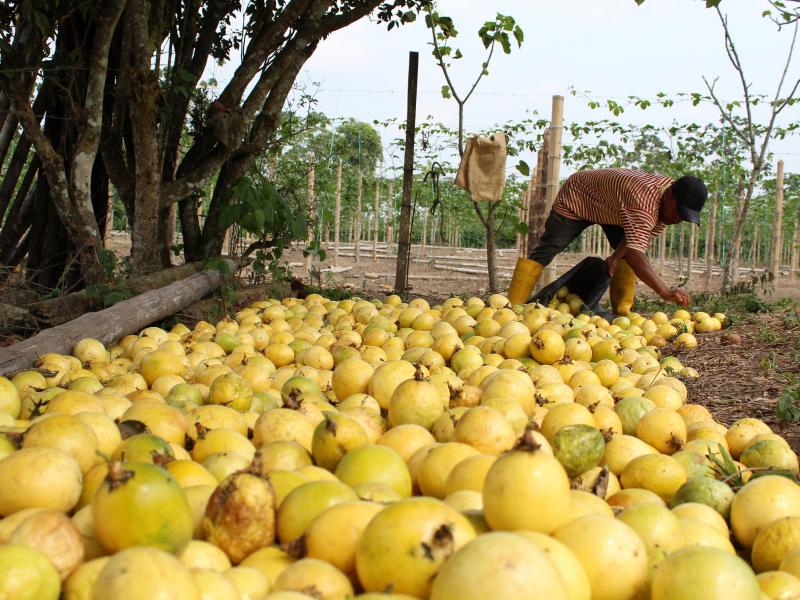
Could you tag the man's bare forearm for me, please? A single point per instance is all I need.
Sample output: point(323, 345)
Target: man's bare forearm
point(644, 271)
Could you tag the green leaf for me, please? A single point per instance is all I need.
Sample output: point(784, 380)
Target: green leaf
point(519, 35)
point(521, 228)
point(446, 91)
point(524, 168)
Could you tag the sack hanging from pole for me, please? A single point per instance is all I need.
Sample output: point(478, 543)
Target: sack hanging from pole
point(483, 167)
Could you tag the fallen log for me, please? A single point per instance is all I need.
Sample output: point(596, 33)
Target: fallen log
point(15, 319)
point(55, 311)
point(110, 324)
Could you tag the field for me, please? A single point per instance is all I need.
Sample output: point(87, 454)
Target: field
point(738, 380)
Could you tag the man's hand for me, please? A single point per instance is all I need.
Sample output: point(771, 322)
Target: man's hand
point(677, 296)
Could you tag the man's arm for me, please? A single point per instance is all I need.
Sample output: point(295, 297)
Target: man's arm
point(618, 255)
point(644, 271)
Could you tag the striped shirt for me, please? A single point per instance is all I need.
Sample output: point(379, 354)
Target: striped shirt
point(624, 197)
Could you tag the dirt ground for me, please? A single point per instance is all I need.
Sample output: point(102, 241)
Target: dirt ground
point(441, 272)
point(747, 380)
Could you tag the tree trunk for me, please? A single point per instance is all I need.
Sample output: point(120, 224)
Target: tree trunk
point(19, 217)
point(491, 254)
point(143, 85)
point(730, 272)
point(337, 214)
point(56, 311)
point(777, 227)
point(311, 210)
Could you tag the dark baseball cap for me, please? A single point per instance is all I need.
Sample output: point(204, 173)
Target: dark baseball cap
point(690, 194)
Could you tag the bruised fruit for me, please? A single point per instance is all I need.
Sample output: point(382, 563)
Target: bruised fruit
point(240, 515)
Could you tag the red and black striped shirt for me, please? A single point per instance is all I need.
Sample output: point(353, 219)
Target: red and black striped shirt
point(625, 197)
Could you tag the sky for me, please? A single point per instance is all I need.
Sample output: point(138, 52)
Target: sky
point(610, 48)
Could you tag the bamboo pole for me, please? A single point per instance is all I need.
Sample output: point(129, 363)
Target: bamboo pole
point(662, 251)
point(312, 208)
point(554, 169)
point(681, 249)
point(777, 227)
point(357, 232)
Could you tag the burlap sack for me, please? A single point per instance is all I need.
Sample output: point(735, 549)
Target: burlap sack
point(483, 167)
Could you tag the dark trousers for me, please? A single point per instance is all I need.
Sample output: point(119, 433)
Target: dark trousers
point(560, 231)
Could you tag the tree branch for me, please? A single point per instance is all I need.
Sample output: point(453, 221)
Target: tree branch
point(726, 115)
point(733, 56)
point(267, 41)
point(483, 71)
point(331, 23)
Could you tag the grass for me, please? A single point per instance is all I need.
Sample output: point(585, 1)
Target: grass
point(738, 305)
point(788, 407)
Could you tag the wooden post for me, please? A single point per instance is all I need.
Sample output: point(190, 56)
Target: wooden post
point(681, 250)
point(710, 234)
point(424, 234)
point(357, 232)
point(337, 214)
point(537, 206)
point(671, 247)
point(662, 250)
point(583, 243)
point(554, 169)
point(754, 253)
point(777, 227)
point(690, 258)
point(404, 238)
point(376, 224)
point(795, 247)
point(312, 208)
point(389, 229)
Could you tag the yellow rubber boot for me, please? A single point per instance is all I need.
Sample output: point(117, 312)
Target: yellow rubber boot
point(622, 286)
point(526, 274)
